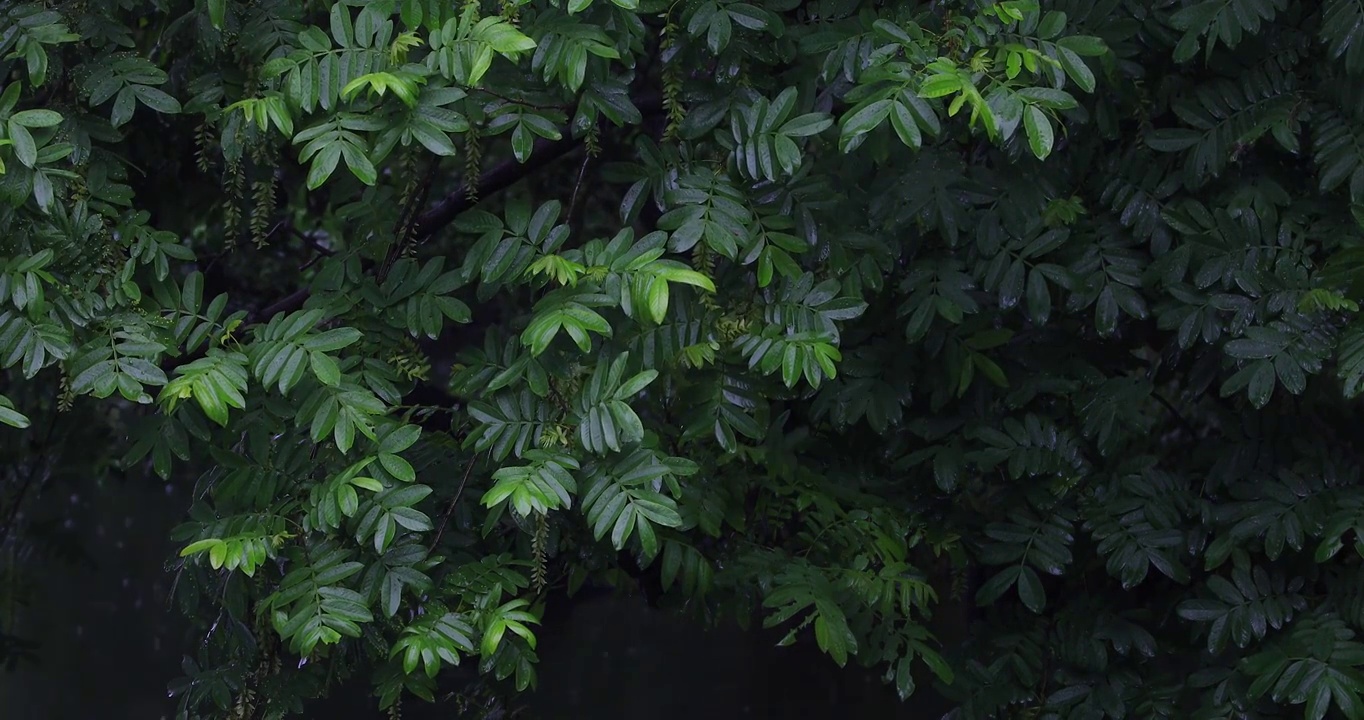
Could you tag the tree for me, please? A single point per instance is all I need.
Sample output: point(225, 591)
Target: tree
point(1041, 318)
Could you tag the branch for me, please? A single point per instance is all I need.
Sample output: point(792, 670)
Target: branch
point(288, 303)
point(450, 509)
point(42, 461)
point(500, 177)
point(509, 172)
point(1178, 416)
point(407, 222)
point(515, 101)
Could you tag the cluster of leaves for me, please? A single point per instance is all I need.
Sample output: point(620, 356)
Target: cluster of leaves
point(845, 315)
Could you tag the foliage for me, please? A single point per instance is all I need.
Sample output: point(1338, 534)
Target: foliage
point(1008, 346)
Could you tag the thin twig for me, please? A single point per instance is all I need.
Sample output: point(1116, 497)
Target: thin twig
point(407, 222)
point(1188, 426)
point(311, 262)
point(578, 200)
point(40, 462)
point(562, 107)
point(312, 241)
point(450, 509)
point(320, 250)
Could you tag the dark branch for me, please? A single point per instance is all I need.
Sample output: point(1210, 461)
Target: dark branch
point(41, 465)
point(407, 221)
point(450, 509)
point(288, 303)
point(508, 173)
point(500, 177)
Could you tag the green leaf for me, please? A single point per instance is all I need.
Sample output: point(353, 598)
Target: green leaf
point(806, 125)
point(1086, 45)
point(332, 340)
point(36, 118)
point(25, 149)
point(906, 127)
point(832, 633)
point(1262, 382)
point(1039, 297)
point(1106, 312)
point(359, 164)
point(717, 38)
point(941, 85)
point(124, 105)
point(324, 163)
point(1076, 68)
point(1250, 349)
point(1053, 22)
point(156, 99)
point(1048, 98)
point(217, 12)
point(994, 588)
point(200, 546)
point(1040, 137)
point(400, 439)
point(864, 118)
point(1030, 590)
point(400, 469)
point(324, 368)
point(13, 418)
point(503, 37)
point(635, 384)
point(522, 142)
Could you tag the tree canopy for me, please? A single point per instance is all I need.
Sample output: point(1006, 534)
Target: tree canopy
point(1009, 347)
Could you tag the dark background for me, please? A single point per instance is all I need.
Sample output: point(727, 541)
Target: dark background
point(109, 642)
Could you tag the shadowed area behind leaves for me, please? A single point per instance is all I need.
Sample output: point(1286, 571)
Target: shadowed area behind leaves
point(108, 644)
